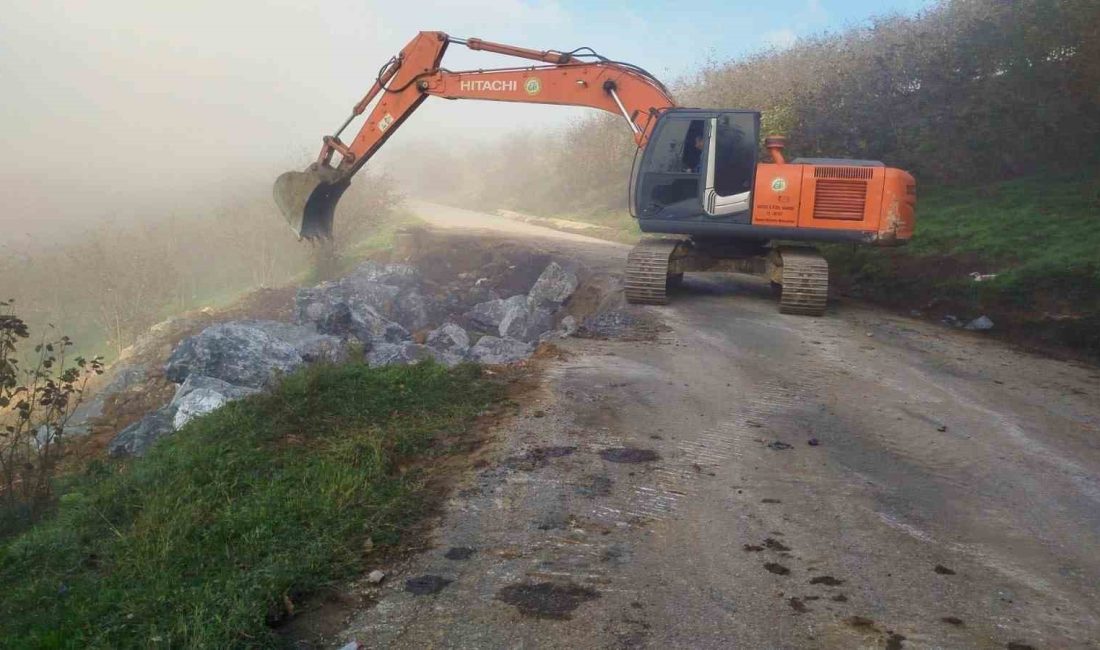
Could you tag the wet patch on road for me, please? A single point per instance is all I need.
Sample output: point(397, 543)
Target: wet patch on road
point(839, 598)
point(1016, 645)
point(538, 457)
point(894, 641)
point(752, 548)
point(943, 571)
point(596, 486)
point(629, 455)
point(546, 599)
point(777, 569)
point(953, 620)
point(859, 621)
point(426, 585)
point(459, 553)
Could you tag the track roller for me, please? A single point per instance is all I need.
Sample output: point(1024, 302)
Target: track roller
point(805, 279)
point(650, 270)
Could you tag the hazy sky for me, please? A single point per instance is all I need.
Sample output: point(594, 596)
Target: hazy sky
point(116, 109)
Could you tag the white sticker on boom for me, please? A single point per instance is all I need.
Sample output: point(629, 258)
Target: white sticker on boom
point(385, 123)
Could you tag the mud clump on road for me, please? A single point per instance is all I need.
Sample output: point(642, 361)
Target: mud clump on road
point(797, 605)
point(944, 571)
point(629, 455)
point(828, 581)
point(426, 585)
point(776, 545)
point(459, 553)
point(546, 599)
point(777, 569)
point(859, 621)
point(894, 641)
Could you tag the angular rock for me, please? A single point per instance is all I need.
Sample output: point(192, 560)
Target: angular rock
point(312, 345)
point(486, 315)
point(524, 323)
point(493, 350)
point(372, 328)
point(389, 290)
point(566, 328)
point(449, 339)
point(234, 352)
point(136, 439)
point(376, 577)
point(411, 310)
point(200, 394)
point(514, 316)
point(324, 307)
point(554, 286)
point(399, 354)
point(980, 324)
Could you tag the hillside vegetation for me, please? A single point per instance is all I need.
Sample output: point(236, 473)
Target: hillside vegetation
point(225, 525)
point(110, 284)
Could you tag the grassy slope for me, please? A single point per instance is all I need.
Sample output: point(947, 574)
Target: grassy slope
point(197, 544)
point(1040, 235)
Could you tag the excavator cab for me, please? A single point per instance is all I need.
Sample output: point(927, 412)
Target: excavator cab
point(698, 165)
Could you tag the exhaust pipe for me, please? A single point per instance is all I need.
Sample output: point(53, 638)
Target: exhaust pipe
point(308, 199)
point(775, 144)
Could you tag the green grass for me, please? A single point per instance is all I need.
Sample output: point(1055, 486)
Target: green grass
point(1032, 230)
point(1040, 235)
point(197, 544)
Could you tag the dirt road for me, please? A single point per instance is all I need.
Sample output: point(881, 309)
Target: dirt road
point(757, 480)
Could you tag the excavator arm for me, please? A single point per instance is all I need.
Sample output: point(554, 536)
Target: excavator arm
point(579, 78)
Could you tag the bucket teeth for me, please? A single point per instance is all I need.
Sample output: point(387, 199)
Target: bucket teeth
point(647, 271)
point(805, 282)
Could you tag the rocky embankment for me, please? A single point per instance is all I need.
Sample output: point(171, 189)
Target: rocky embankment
point(383, 313)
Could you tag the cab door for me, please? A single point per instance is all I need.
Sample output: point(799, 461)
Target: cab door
point(731, 165)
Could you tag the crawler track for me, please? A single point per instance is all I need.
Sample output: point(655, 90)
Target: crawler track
point(647, 271)
point(805, 282)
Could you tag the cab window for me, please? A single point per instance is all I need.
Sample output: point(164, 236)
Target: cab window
point(734, 153)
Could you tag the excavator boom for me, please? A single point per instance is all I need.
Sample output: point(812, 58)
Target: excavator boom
point(579, 78)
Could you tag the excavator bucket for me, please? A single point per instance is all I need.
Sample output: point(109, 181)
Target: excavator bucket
point(308, 200)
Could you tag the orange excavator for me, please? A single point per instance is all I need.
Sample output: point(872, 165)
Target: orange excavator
point(699, 178)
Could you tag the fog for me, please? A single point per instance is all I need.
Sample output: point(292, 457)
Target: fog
point(120, 110)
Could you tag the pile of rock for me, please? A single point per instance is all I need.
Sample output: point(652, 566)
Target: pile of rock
point(381, 310)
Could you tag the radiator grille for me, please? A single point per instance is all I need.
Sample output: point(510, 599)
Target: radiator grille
point(840, 199)
point(843, 172)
